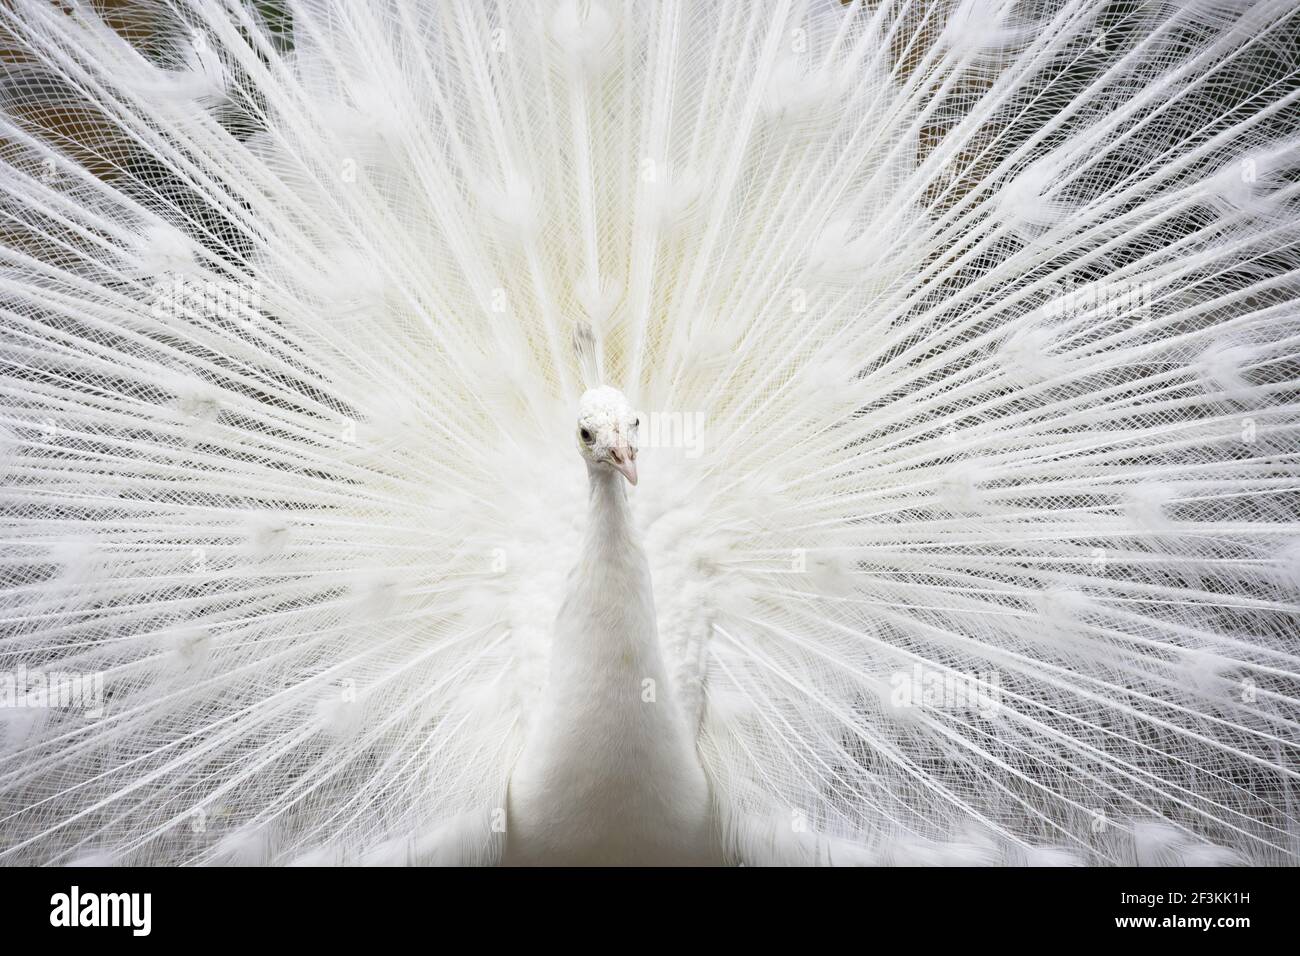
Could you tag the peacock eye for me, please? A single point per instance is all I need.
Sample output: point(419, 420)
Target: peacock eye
point(636, 422)
point(586, 436)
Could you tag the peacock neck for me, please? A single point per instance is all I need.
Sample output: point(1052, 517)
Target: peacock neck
point(609, 772)
point(610, 522)
point(609, 623)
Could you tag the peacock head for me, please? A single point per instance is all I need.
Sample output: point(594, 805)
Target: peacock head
point(607, 427)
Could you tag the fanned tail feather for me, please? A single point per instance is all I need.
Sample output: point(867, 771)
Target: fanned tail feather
point(966, 334)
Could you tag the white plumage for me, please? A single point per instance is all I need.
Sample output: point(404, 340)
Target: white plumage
point(961, 338)
point(609, 773)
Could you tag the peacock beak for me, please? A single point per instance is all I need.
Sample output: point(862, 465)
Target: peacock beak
point(624, 459)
